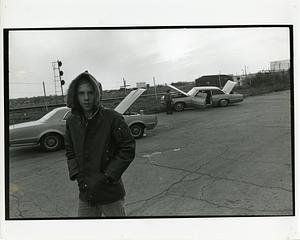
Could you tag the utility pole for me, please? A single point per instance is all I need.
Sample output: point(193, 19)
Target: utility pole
point(45, 101)
point(154, 87)
point(124, 85)
point(246, 75)
point(124, 82)
point(220, 80)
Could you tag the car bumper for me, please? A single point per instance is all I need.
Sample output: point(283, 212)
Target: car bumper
point(236, 100)
point(151, 125)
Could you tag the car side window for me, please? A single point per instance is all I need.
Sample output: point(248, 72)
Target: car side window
point(201, 94)
point(67, 115)
point(216, 92)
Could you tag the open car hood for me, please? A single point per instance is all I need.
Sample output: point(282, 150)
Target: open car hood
point(175, 88)
point(129, 100)
point(228, 86)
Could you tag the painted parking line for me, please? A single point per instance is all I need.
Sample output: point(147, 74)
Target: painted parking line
point(152, 154)
point(158, 153)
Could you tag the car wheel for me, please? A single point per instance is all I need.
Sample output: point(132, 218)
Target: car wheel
point(51, 142)
point(137, 130)
point(223, 103)
point(179, 107)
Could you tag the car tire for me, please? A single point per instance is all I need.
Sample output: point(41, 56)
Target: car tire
point(137, 130)
point(223, 103)
point(51, 142)
point(179, 107)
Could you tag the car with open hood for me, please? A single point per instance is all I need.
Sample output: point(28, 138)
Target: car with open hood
point(49, 130)
point(201, 97)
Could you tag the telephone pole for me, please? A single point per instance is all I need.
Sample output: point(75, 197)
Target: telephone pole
point(154, 88)
point(250, 83)
point(124, 85)
point(45, 100)
point(124, 82)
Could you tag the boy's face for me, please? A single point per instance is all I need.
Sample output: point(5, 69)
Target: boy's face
point(86, 96)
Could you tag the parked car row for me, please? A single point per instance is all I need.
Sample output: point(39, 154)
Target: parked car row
point(49, 131)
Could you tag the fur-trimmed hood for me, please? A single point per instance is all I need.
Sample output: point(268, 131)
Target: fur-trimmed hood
point(72, 101)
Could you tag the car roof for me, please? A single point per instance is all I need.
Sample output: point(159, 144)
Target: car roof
point(54, 113)
point(60, 108)
point(206, 88)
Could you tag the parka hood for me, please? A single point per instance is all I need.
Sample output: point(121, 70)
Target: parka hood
point(72, 101)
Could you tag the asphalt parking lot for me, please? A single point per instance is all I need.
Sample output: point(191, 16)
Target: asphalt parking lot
point(232, 161)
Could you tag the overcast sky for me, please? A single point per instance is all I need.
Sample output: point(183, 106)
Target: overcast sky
point(169, 55)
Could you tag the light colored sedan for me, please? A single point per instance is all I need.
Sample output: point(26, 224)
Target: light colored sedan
point(200, 97)
point(49, 131)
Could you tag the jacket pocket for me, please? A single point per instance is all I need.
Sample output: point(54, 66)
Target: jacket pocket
point(106, 193)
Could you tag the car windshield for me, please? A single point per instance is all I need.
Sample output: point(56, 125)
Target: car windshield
point(192, 91)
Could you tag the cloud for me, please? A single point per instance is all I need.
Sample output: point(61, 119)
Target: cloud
point(137, 55)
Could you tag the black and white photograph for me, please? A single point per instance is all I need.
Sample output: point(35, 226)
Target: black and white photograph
point(131, 120)
point(149, 122)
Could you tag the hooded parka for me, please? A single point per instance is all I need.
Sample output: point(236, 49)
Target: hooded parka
point(99, 146)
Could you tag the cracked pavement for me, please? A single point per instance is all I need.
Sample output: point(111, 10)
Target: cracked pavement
point(233, 161)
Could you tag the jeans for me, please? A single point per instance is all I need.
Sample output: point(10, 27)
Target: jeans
point(115, 209)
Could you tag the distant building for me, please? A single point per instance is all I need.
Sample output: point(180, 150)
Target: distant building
point(213, 80)
point(141, 85)
point(281, 65)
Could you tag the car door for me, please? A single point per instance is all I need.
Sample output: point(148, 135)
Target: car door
point(217, 95)
point(199, 99)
